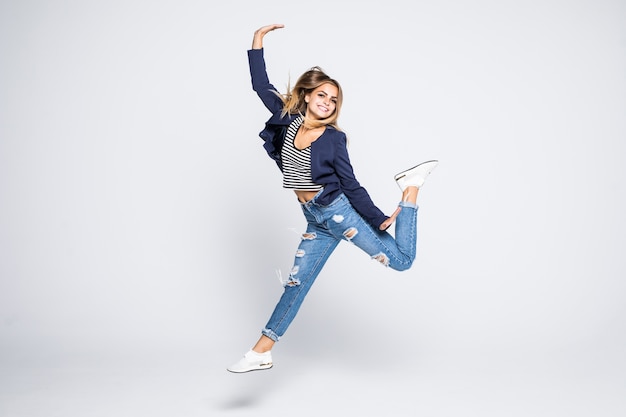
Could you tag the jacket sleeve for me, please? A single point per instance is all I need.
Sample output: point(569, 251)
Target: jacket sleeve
point(357, 195)
point(261, 83)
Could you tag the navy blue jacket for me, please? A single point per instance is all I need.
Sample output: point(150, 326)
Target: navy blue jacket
point(330, 164)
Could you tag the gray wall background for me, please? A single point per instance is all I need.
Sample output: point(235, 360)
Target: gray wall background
point(139, 213)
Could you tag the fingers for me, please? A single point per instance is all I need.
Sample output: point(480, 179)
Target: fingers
point(385, 225)
point(266, 29)
point(276, 26)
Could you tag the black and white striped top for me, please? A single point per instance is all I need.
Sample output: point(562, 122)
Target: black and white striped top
point(296, 162)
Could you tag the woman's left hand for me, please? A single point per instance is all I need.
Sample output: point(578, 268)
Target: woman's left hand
point(385, 225)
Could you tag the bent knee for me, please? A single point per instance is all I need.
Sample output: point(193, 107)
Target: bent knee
point(403, 267)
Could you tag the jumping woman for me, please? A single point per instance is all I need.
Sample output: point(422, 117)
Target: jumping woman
point(303, 138)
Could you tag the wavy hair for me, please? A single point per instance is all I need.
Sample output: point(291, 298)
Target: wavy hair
point(294, 100)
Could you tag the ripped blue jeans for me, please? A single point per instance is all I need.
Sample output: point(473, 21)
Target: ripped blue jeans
point(327, 226)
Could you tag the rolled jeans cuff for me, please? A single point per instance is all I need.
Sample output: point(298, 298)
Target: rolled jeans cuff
point(408, 204)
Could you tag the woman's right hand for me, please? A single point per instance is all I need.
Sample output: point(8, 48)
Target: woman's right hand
point(257, 41)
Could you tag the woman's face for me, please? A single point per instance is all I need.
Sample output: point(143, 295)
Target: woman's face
point(322, 102)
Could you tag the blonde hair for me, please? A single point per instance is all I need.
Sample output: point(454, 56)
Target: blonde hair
point(294, 100)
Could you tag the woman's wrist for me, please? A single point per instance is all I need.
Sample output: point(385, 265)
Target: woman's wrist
point(257, 41)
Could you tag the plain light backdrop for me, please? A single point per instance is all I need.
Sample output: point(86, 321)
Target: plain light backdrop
point(139, 214)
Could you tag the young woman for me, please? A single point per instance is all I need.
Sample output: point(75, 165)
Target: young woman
point(303, 139)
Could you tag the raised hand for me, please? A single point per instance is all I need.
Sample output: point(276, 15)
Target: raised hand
point(257, 41)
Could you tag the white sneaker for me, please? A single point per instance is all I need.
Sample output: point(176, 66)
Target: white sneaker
point(415, 176)
point(252, 361)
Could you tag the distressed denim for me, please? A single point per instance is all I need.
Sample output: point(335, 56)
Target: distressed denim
point(326, 227)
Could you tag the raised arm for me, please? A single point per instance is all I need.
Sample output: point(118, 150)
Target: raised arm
point(257, 41)
point(260, 82)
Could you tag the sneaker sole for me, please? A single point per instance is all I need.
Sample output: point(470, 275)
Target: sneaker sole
point(259, 368)
point(403, 173)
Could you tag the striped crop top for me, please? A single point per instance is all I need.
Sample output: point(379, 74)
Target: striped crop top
point(296, 162)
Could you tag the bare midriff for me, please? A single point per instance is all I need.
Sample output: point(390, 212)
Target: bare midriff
point(304, 196)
